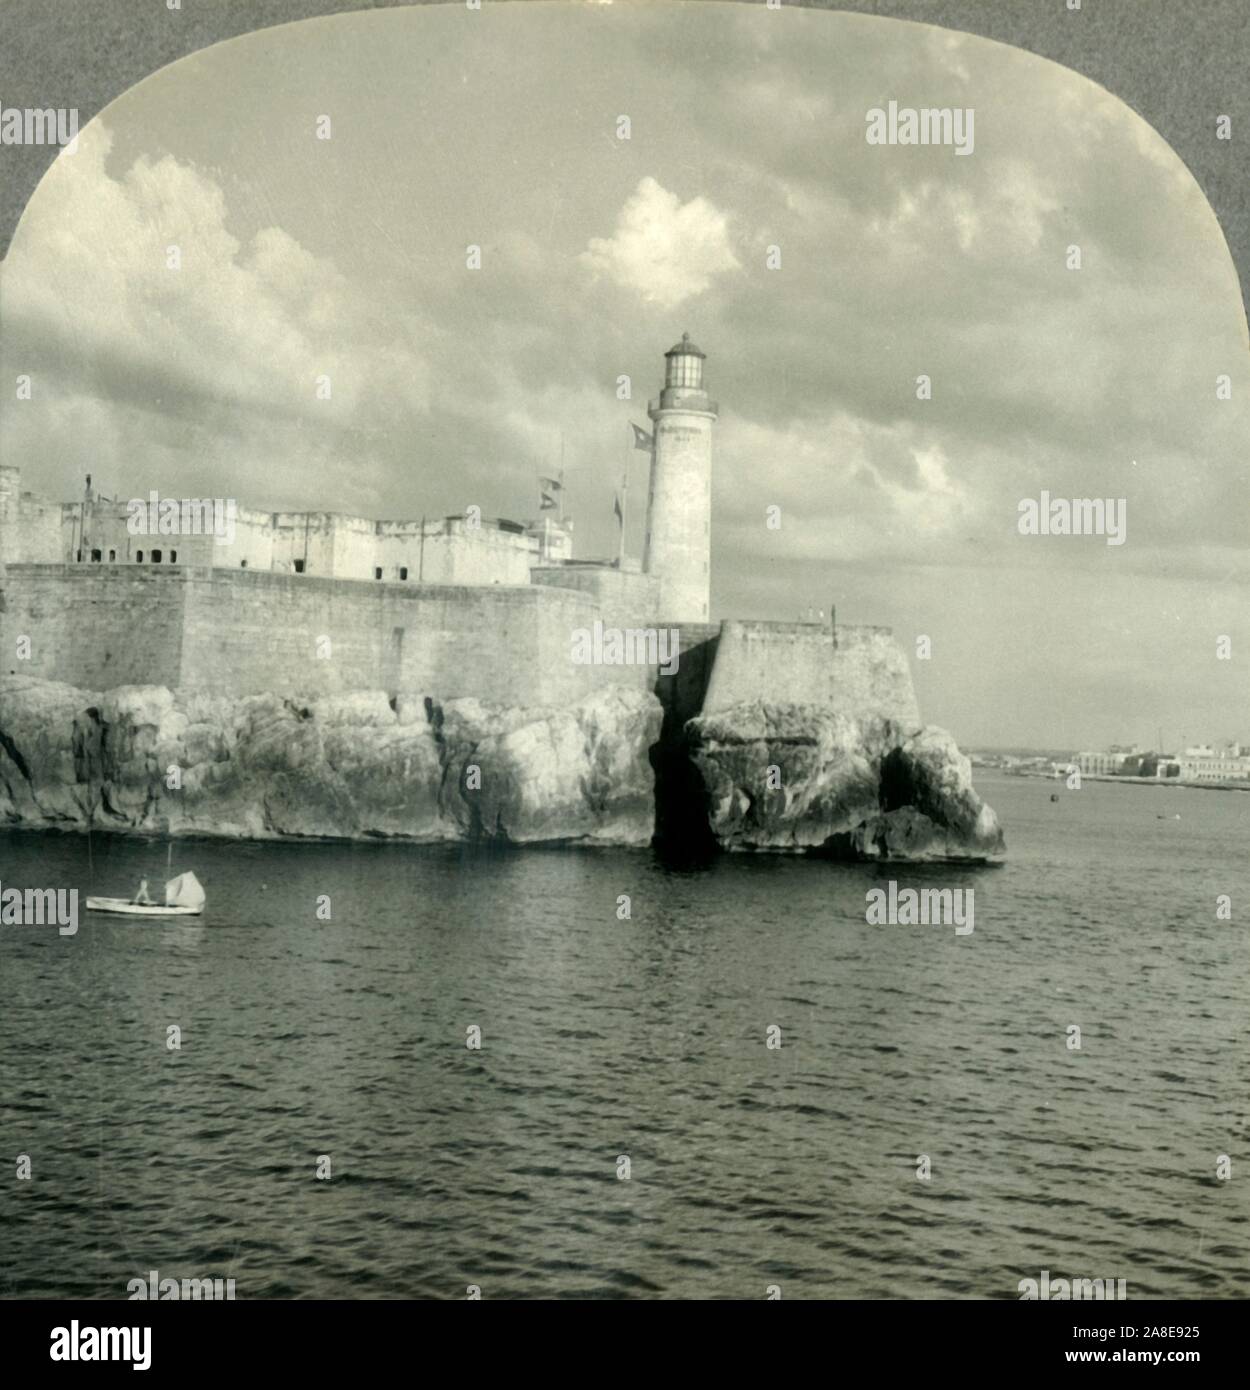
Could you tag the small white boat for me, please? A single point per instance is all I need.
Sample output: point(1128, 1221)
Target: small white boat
point(184, 897)
point(129, 909)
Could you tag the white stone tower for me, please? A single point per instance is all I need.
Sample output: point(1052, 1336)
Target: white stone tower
point(10, 489)
point(679, 507)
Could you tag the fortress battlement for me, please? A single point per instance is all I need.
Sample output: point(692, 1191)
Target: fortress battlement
point(312, 603)
point(247, 632)
point(244, 632)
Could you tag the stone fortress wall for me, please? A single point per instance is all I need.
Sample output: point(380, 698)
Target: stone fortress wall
point(870, 672)
point(246, 632)
point(855, 670)
point(436, 550)
point(313, 603)
point(95, 629)
point(769, 661)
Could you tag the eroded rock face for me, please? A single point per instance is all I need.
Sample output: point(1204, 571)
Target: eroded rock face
point(266, 766)
point(873, 789)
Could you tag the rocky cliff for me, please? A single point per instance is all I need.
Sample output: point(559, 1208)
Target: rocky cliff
point(139, 757)
point(756, 776)
point(797, 778)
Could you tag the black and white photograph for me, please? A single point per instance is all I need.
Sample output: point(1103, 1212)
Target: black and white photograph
point(623, 644)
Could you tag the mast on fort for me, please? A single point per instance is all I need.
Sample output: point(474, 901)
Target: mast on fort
point(679, 507)
point(9, 489)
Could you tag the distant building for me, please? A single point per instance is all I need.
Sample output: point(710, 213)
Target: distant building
point(1107, 764)
point(1203, 763)
point(1206, 765)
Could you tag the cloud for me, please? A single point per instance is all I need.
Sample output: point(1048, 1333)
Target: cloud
point(666, 250)
point(453, 386)
point(220, 356)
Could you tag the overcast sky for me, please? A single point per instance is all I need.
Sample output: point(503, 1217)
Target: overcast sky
point(346, 257)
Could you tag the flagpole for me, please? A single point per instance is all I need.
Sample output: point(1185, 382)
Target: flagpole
point(620, 558)
point(562, 476)
point(550, 486)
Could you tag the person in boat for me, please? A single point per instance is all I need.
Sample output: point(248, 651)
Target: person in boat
point(141, 898)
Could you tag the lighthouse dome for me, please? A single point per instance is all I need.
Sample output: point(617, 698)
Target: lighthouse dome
point(684, 349)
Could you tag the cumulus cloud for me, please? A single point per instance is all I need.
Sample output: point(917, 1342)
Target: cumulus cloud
point(450, 386)
point(665, 250)
point(131, 290)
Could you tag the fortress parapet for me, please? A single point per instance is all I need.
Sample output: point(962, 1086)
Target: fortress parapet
point(10, 481)
point(459, 549)
point(871, 673)
point(774, 662)
point(625, 598)
point(246, 632)
point(855, 670)
point(322, 602)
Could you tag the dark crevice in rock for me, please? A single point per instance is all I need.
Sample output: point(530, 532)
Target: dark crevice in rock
point(477, 826)
point(87, 746)
point(683, 830)
point(15, 755)
point(898, 784)
point(839, 847)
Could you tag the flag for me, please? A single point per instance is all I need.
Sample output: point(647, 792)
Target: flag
point(616, 507)
point(642, 440)
point(547, 486)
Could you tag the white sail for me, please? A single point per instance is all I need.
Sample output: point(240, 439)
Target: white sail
point(184, 891)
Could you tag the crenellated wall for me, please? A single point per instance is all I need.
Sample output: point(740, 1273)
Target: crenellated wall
point(454, 550)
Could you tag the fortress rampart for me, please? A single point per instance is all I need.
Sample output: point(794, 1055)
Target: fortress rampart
point(623, 597)
point(232, 632)
point(855, 670)
point(773, 662)
point(250, 632)
point(870, 672)
point(320, 603)
point(94, 629)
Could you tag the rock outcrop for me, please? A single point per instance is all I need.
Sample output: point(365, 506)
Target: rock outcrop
point(758, 776)
point(795, 778)
point(265, 766)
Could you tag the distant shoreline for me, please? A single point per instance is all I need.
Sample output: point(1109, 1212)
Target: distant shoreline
point(1130, 781)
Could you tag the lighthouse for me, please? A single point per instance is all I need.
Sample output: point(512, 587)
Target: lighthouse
point(679, 507)
point(10, 493)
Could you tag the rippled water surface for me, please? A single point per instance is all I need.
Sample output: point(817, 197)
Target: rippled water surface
point(643, 1038)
